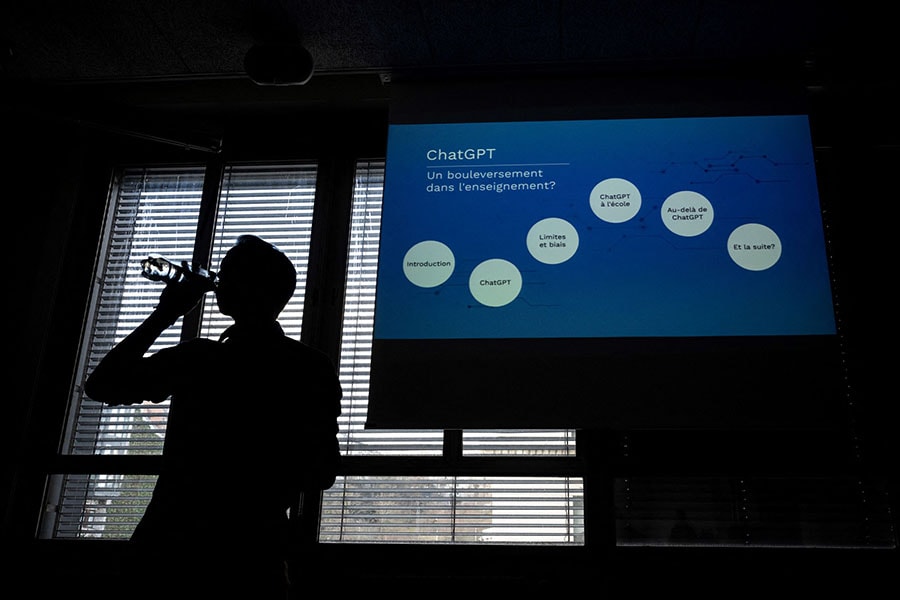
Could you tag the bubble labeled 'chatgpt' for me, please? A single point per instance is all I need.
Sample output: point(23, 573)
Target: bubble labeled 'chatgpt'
point(495, 282)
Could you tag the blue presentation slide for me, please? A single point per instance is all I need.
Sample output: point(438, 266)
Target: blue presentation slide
point(664, 227)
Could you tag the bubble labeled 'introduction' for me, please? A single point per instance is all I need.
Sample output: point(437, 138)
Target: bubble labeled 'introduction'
point(428, 264)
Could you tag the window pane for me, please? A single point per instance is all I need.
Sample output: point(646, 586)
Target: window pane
point(157, 210)
point(430, 509)
point(356, 335)
point(356, 352)
point(515, 442)
point(100, 506)
point(274, 202)
point(460, 510)
point(153, 211)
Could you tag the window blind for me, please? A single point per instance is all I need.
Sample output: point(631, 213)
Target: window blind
point(356, 353)
point(357, 328)
point(153, 210)
point(274, 202)
point(757, 511)
point(448, 509)
point(454, 510)
point(157, 210)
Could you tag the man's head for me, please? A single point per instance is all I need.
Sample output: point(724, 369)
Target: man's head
point(256, 280)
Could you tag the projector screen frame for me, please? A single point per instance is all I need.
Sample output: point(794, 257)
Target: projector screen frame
point(503, 383)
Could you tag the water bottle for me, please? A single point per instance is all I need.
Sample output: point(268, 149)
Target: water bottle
point(159, 268)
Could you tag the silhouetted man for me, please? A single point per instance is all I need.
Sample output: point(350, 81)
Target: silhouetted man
point(252, 425)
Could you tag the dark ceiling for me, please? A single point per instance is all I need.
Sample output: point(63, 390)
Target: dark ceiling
point(102, 56)
point(102, 40)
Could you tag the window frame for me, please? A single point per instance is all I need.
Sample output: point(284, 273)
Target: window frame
point(323, 313)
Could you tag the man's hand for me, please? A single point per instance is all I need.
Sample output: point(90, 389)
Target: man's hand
point(180, 297)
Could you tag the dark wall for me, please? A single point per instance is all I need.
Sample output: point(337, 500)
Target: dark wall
point(46, 171)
